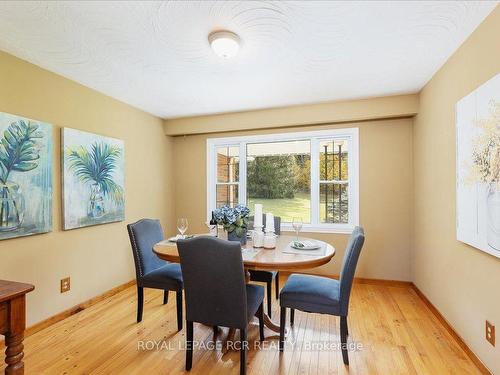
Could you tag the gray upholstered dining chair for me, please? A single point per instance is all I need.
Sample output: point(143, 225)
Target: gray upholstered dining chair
point(323, 295)
point(151, 271)
point(268, 276)
point(216, 292)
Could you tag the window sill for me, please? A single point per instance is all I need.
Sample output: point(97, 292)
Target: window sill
point(325, 228)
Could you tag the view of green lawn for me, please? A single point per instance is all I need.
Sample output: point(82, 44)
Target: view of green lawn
point(287, 209)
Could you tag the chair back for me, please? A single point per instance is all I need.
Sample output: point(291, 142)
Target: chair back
point(350, 261)
point(214, 281)
point(277, 223)
point(144, 234)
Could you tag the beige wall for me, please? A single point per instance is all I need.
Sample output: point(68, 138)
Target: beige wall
point(385, 193)
point(97, 258)
point(461, 281)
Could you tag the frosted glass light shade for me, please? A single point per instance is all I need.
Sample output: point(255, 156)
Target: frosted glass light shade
point(225, 44)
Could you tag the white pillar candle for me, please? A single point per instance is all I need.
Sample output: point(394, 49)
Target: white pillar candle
point(257, 220)
point(269, 222)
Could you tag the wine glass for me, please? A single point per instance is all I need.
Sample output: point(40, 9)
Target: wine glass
point(182, 226)
point(297, 225)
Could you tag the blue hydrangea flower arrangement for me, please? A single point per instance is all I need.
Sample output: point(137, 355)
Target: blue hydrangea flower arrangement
point(234, 220)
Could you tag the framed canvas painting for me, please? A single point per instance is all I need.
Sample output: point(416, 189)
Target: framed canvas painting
point(478, 167)
point(93, 179)
point(25, 176)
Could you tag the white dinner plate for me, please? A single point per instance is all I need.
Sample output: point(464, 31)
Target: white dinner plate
point(175, 238)
point(306, 245)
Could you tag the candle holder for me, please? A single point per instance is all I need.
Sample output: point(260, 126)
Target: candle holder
point(269, 239)
point(258, 237)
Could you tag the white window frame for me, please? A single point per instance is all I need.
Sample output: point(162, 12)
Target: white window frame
point(315, 137)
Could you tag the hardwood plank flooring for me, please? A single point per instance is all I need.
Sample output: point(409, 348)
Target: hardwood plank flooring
point(396, 332)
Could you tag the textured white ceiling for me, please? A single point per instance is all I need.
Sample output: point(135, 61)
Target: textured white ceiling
point(155, 55)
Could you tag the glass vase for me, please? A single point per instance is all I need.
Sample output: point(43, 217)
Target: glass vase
point(95, 208)
point(493, 215)
point(11, 206)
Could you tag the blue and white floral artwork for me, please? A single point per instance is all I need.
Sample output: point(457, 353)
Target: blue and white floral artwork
point(93, 179)
point(25, 176)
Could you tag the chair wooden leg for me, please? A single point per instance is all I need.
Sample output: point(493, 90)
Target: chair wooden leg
point(268, 297)
point(165, 297)
point(243, 352)
point(343, 339)
point(277, 285)
point(260, 314)
point(140, 303)
point(282, 328)
point(189, 345)
point(292, 316)
point(178, 297)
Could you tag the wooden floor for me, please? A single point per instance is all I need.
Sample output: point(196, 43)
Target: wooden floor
point(397, 333)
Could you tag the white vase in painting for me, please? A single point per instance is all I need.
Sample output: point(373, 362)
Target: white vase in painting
point(493, 215)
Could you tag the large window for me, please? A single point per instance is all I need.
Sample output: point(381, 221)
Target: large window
point(312, 176)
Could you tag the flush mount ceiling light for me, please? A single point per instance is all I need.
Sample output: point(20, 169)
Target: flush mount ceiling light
point(225, 44)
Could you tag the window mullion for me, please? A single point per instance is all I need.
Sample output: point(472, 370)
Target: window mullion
point(211, 179)
point(314, 181)
point(353, 187)
point(242, 186)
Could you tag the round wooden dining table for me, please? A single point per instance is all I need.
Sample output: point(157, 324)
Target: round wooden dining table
point(281, 258)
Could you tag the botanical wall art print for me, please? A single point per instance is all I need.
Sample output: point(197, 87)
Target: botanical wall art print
point(93, 179)
point(25, 176)
point(478, 167)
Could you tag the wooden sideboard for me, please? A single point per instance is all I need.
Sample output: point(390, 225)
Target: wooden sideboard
point(13, 323)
